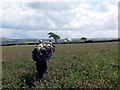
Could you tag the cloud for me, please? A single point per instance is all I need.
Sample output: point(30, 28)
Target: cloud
point(67, 19)
point(50, 6)
point(7, 33)
point(93, 19)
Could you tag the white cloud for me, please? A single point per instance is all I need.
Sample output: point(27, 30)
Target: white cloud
point(58, 0)
point(74, 19)
point(93, 19)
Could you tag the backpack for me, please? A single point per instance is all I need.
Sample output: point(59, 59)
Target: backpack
point(35, 54)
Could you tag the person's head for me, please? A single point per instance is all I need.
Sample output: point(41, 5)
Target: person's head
point(44, 45)
point(37, 44)
point(40, 45)
point(48, 45)
point(50, 42)
point(40, 41)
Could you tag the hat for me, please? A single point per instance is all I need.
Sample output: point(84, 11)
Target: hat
point(44, 44)
point(48, 45)
point(40, 41)
point(40, 45)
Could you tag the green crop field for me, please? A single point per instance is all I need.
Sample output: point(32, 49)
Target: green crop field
point(93, 65)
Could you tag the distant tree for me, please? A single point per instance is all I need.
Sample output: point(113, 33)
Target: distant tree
point(84, 38)
point(54, 36)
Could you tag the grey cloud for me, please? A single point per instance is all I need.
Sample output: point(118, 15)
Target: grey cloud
point(50, 6)
point(15, 26)
point(96, 26)
point(55, 16)
point(111, 25)
point(102, 7)
point(43, 20)
point(61, 19)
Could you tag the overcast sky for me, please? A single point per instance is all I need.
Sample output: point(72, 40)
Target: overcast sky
point(67, 19)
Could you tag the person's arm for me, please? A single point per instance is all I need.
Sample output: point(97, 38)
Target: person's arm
point(45, 52)
point(51, 50)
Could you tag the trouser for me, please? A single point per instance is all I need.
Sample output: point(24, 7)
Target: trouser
point(41, 67)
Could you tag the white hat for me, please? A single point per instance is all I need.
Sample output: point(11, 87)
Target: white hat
point(40, 45)
point(48, 45)
point(44, 44)
point(40, 41)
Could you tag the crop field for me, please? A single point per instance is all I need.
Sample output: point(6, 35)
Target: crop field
point(86, 65)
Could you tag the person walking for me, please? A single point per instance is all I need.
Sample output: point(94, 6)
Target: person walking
point(40, 55)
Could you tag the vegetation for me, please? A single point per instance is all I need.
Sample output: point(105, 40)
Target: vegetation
point(54, 36)
point(91, 65)
point(83, 38)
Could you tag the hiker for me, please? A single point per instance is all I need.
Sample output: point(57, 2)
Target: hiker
point(40, 55)
point(50, 42)
point(50, 51)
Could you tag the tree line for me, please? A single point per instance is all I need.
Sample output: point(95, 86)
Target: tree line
point(56, 37)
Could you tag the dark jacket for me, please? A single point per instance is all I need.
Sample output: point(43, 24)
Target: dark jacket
point(42, 55)
point(50, 52)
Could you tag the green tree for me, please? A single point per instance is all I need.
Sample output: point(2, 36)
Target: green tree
point(54, 36)
point(84, 38)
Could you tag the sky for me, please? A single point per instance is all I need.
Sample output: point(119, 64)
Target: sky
point(67, 19)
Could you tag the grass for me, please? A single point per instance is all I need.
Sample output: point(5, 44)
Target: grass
point(93, 65)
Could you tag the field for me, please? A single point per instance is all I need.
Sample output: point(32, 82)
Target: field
point(93, 65)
